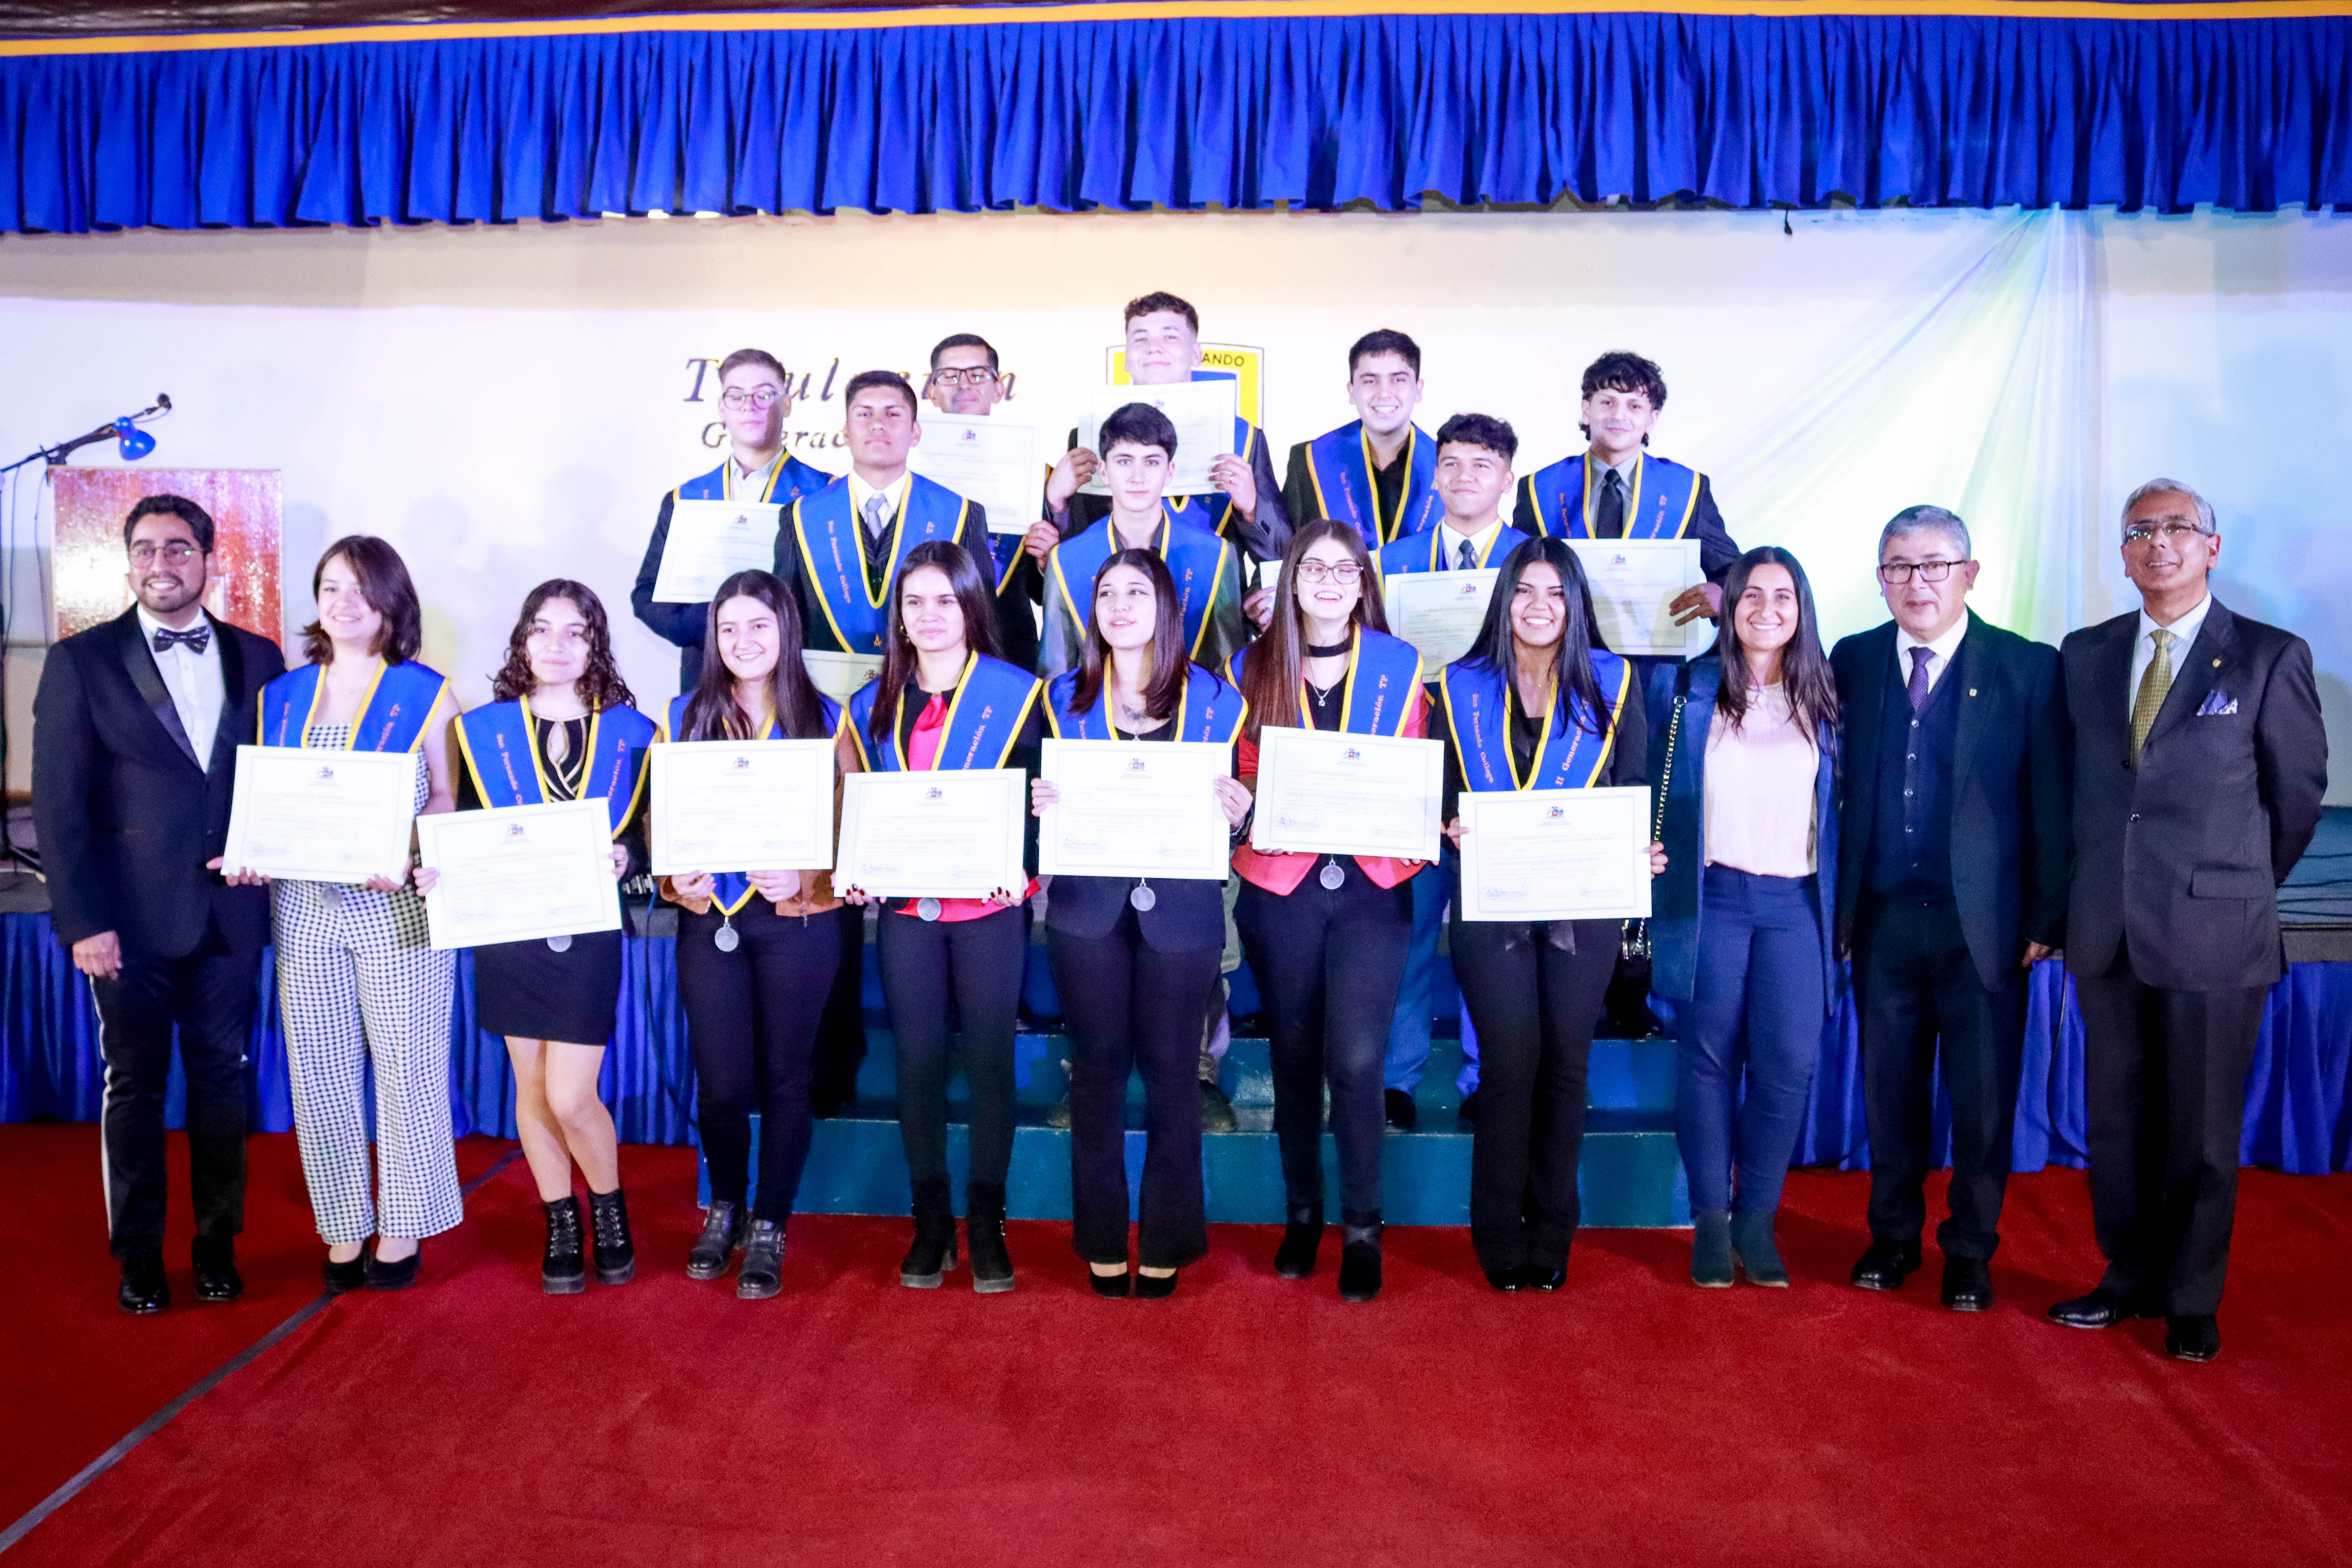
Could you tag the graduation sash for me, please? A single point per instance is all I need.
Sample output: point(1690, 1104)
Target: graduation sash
point(391, 715)
point(984, 718)
point(1211, 710)
point(1432, 551)
point(1383, 678)
point(788, 481)
point(1339, 466)
point(1196, 557)
point(1479, 700)
point(833, 555)
point(1660, 505)
point(501, 753)
point(732, 889)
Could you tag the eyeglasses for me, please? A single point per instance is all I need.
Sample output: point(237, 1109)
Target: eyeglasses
point(1895, 574)
point(177, 552)
point(974, 375)
point(2175, 533)
point(758, 397)
point(1344, 572)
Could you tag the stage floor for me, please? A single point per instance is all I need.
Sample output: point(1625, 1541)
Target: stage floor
point(1631, 1418)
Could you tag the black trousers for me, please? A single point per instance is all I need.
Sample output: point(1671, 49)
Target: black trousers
point(1129, 1006)
point(208, 997)
point(1329, 962)
point(2165, 1077)
point(751, 1022)
point(841, 1030)
point(976, 966)
point(1920, 991)
point(1534, 1003)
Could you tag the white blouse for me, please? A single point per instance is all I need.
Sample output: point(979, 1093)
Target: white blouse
point(1760, 789)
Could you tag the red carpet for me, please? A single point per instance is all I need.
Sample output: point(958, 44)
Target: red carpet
point(1249, 1420)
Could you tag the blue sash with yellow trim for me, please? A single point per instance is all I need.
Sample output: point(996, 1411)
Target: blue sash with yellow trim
point(1339, 466)
point(1195, 558)
point(1478, 703)
point(1431, 550)
point(732, 889)
point(1212, 710)
point(1383, 678)
point(1664, 497)
point(826, 530)
point(502, 757)
point(984, 718)
point(392, 718)
point(787, 482)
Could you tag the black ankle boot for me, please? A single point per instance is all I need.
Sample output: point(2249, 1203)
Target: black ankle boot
point(722, 1233)
point(616, 1254)
point(564, 1271)
point(762, 1274)
point(983, 1228)
point(934, 1251)
point(1360, 1261)
point(1301, 1236)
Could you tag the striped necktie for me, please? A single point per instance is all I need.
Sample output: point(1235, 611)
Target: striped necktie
point(2153, 684)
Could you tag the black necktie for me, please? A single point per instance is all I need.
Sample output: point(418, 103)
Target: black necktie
point(1464, 558)
point(197, 638)
point(1609, 511)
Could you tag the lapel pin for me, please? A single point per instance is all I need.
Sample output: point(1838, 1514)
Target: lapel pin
point(2217, 664)
point(1972, 691)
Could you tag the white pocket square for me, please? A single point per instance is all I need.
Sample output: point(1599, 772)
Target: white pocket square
point(2217, 706)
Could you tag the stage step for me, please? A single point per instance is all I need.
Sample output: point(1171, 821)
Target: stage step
point(1630, 1175)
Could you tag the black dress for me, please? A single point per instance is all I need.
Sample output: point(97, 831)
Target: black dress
point(526, 989)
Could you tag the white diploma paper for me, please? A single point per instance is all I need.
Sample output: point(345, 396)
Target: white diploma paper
point(312, 816)
point(710, 542)
point(518, 873)
point(837, 674)
point(1329, 793)
point(1556, 854)
point(1633, 581)
point(1202, 413)
point(987, 461)
point(742, 806)
point(952, 834)
point(1438, 612)
point(1135, 808)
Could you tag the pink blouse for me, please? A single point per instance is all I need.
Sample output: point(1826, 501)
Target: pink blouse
point(1760, 790)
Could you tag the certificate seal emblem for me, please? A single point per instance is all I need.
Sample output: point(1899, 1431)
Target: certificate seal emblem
point(1142, 897)
point(1333, 875)
point(928, 909)
point(560, 943)
point(725, 939)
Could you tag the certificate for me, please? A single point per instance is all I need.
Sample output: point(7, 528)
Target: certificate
point(1135, 808)
point(1202, 413)
point(955, 833)
point(1556, 854)
point(1438, 612)
point(518, 873)
point(1326, 792)
point(312, 816)
point(742, 806)
point(710, 542)
point(838, 675)
point(1633, 581)
point(986, 461)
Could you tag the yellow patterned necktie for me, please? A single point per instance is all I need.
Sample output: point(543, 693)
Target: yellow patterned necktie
point(2153, 684)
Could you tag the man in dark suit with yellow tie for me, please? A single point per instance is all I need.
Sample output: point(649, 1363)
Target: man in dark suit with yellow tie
point(2199, 763)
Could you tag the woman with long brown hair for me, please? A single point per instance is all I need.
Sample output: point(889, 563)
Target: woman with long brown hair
point(1327, 934)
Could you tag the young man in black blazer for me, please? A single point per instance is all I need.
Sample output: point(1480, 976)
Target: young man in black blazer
point(2200, 764)
point(135, 731)
point(1952, 884)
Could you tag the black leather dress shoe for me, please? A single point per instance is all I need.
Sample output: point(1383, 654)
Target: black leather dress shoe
point(1507, 1281)
point(1403, 1113)
point(1885, 1265)
point(217, 1276)
point(2195, 1338)
point(400, 1275)
point(1968, 1285)
point(145, 1289)
point(1538, 1278)
point(2099, 1308)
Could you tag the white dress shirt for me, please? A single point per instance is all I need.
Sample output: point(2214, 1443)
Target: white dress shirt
point(194, 681)
point(750, 484)
point(1449, 554)
point(2184, 632)
point(893, 499)
point(1939, 652)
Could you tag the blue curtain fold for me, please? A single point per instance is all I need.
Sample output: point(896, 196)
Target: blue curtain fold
point(1189, 113)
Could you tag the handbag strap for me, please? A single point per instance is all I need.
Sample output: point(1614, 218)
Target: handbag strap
point(1674, 735)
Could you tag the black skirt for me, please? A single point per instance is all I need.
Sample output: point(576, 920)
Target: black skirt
point(529, 990)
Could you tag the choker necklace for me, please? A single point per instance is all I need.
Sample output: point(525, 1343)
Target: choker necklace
point(1336, 651)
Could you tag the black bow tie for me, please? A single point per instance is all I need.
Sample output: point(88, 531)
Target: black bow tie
point(198, 639)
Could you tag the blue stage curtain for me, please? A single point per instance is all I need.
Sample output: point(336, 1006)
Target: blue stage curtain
point(1185, 113)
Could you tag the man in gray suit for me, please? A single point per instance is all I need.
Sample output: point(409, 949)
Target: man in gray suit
point(2200, 762)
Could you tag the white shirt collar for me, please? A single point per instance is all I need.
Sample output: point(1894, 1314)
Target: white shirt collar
point(2184, 630)
point(755, 481)
point(148, 625)
point(1480, 542)
point(1943, 647)
point(896, 495)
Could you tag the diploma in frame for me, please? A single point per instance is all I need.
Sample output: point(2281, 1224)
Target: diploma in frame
point(1325, 792)
point(1556, 854)
point(742, 806)
point(303, 814)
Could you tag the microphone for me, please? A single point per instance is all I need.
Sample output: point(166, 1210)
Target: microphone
point(132, 442)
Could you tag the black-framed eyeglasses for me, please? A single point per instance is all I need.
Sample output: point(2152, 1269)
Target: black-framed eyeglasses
point(1340, 572)
point(2173, 532)
point(963, 375)
point(758, 397)
point(1895, 574)
point(178, 552)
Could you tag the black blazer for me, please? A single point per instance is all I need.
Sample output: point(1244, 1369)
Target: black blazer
point(2013, 848)
point(126, 814)
point(2181, 857)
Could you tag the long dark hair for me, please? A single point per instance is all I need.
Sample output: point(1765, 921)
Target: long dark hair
point(1805, 675)
point(1165, 695)
point(1270, 673)
point(384, 583)
point(1571, 662)
point(899, 654)
point(712, 714)
point(600, 685)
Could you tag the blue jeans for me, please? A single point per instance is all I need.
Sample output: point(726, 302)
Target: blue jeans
point(1759, 965)
point(1408, 1052)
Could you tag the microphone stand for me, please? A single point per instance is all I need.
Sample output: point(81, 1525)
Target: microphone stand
point(55, 456)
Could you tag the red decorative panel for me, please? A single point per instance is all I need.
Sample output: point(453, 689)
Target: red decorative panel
point(91, 579)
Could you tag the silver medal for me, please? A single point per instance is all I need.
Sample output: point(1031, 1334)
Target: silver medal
point(1333, 875)
point(330, 897)
point(724, 939)
point(928, 909)
point(1142, 897)
point(560, 943)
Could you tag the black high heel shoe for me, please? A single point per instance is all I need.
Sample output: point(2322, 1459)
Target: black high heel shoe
point(1111, 1287)
point(342, 1279)
point(1155, 1286)
point(400, 1275)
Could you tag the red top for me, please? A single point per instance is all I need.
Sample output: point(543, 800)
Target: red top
point(922, 750)
point(1281, 872)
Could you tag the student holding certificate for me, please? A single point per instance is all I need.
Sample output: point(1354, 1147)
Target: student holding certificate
point(1741, 936)
point(1326, 936)
point(561, 725)
point(756, 950)
point(1377, 471)
point(945, 700)
point(1535, 706)
point(1135, 959)
point(364, 691)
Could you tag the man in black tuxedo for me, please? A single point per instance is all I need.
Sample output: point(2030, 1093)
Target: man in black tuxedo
point(135, 730)
point(2199, 763)
point(1955, 735)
